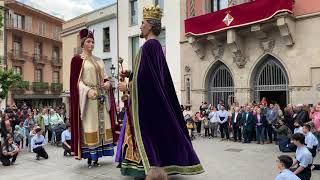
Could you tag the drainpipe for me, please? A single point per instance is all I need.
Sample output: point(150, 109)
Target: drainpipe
point(5, 39)
point(118, 49)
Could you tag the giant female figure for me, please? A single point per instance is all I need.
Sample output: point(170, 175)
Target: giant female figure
point(92, 105)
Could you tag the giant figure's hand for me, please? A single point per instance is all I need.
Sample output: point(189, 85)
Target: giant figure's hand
point(92, 94)
point(122, 86)
point(106, 86)
point(124, 73)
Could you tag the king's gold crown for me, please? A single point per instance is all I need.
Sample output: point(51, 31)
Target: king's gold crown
point(153, 12)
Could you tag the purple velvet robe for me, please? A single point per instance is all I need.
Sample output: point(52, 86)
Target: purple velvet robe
point(164, 134)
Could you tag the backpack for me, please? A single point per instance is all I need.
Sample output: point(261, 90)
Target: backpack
point(206, 123)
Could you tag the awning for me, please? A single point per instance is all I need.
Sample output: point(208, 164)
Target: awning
point(236, 16)
point(65, 94)
point(36, 96)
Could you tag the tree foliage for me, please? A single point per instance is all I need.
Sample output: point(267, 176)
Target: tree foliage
point(1, 17)
point(7, 79)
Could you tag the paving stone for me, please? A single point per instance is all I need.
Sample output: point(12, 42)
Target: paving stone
point(221, 160)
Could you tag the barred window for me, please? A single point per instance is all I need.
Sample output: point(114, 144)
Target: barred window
point(55, 77)
point(17, 70)
point(106, 39)
point(217, 5)
point(134, 12)
point(38, 75)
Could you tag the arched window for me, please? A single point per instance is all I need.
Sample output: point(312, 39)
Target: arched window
point(221, 85)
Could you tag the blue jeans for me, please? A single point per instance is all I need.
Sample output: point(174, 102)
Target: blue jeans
point(284, 144)
point(53, 138)
point(317, 134)
point(260, 130)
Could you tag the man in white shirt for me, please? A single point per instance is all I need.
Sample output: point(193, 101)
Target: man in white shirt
point(284, 162)
point(224, 124)
point(214, 121)
point(303, 158)
point(37, 143)
point(236, 123)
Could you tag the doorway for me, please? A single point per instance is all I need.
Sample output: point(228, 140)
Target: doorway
point(275, 97)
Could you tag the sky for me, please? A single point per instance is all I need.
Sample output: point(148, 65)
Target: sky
point(67, 9)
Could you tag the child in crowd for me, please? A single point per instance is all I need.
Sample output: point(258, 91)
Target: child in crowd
point(22, 131)
point(17, 136)
point(190, 127)
point(206, 126)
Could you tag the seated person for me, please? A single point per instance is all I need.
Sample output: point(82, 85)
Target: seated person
point(303, 158)
point(66, 140)
point(37, 143)
point(298, 127)
point(284, 162)
point(310, 140)
point(9, 151)
point(284, 134)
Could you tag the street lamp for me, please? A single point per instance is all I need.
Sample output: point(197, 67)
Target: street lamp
point(112, 68)
point(114, 75)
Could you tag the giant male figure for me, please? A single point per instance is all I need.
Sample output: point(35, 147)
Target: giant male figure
point(155, 133)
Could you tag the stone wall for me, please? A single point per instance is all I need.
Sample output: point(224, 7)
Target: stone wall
point(301, 62)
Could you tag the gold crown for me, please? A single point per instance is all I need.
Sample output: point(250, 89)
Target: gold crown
point(153, 12)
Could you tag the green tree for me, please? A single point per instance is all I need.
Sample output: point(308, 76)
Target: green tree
point(7, 79)
point(1, 17)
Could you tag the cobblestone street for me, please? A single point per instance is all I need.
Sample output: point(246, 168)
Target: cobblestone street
point(221, 160)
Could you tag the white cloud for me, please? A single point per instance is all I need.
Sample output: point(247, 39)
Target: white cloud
point(65, 9)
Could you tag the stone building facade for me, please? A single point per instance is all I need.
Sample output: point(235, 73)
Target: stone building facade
point(277, 58)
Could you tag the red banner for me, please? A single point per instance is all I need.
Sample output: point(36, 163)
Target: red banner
point(236, 16)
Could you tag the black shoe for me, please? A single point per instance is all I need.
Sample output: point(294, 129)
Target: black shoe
point(12, 163)
point(119, 165)
point(96, 164)
point(139, 178)
point(38, 158)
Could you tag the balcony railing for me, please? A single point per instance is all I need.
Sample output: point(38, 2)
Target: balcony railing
point(39, 59)
point(56, 62)
point(11, 25)
point(56, 87)
point(2, 61)
point(21, 86)
point(18, 55)
point(24, 27)
point(40, 86)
